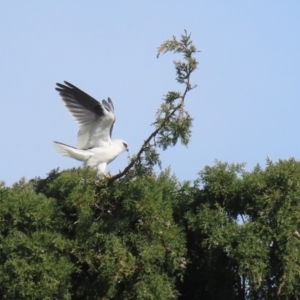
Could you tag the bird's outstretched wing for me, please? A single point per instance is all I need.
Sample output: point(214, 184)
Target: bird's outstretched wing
point(96, 120)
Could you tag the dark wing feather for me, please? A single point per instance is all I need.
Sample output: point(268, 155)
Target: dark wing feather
point(95, 119)
point(83, 107)
point(109, 105)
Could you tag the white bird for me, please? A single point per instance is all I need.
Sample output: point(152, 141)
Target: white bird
point(96, 120)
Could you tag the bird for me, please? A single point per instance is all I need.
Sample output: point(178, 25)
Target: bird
point(96, 120)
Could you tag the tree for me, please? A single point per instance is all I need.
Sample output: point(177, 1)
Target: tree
point(31, 264)
point(242, 229)
point(141, 234)
point(75, 236)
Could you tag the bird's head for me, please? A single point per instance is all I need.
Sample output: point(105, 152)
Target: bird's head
point(123, 145)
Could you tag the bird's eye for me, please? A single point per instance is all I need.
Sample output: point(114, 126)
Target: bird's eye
point(125, 145)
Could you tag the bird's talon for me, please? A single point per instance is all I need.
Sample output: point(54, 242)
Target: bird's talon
point(107, 176)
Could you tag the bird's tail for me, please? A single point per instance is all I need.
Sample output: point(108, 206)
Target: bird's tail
point(73, 152)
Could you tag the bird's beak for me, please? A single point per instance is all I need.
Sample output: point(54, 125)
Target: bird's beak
point(127, 149)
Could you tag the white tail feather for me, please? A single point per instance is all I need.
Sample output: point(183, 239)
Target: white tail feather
point(70, 151)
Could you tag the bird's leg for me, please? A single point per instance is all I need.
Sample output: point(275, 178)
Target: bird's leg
point(107, 176)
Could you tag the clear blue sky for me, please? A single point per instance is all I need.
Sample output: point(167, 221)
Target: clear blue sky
point(246, 106)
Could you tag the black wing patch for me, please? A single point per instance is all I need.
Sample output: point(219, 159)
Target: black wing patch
point(73, 96)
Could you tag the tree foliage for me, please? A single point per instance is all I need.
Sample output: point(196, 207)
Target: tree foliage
point(244, 241)
point(230, 234)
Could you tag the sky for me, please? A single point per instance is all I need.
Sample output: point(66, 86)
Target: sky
point(245, 108)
